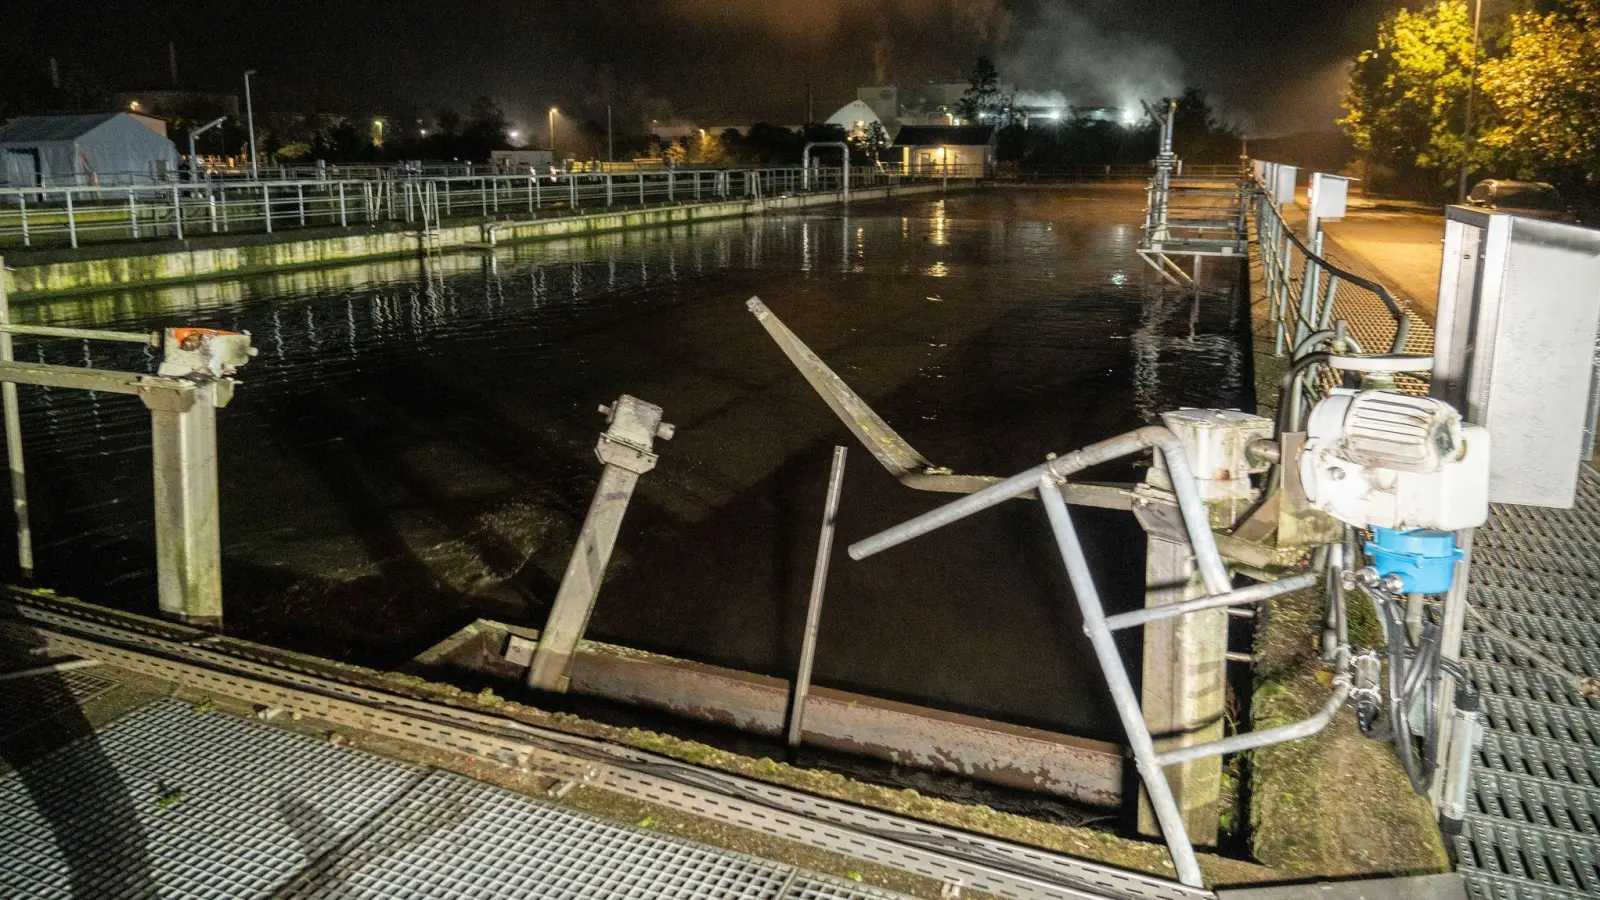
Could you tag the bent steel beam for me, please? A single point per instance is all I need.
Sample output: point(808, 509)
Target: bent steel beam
point(892, 451)
point(627, 449)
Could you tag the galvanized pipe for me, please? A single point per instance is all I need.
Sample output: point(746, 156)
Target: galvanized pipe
point(1255, 593)
point(1122, 694)
point(152, 338)
point(55, 668)
point(1291, 732)
point(1193, 509)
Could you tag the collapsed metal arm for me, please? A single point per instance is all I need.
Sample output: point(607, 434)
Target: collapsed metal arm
point(892, 451)
point(1190, 506)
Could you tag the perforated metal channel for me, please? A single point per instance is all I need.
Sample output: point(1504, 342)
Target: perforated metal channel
point(1534, 828)
point(172, 802)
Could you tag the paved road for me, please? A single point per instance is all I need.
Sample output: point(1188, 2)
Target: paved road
point(1402, 243)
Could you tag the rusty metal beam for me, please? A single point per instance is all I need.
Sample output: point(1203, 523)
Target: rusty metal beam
point(1014, 756)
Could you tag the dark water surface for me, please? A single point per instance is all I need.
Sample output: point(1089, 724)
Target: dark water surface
point(412, 451)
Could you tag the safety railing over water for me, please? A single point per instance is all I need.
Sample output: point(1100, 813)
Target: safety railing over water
point(72, 216)
point(1312, 304)
point(1305, 289)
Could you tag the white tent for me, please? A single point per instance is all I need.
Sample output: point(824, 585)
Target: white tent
point(855, 118)
point(89, 150)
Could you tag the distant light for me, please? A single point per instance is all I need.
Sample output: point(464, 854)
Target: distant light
point(422, 131)
point(554, 111)
point(514, 134)
point(983, 115)
point(1053, 115)
point(1128, 118)
point(134, 105)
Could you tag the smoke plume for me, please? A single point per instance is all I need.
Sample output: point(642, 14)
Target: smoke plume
point(1062, 49)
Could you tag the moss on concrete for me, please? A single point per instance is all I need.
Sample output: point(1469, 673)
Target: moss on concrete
point(1337, 804)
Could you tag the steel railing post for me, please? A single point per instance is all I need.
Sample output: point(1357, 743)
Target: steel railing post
point(188, 536)
point(177, 212)
point(22, 207)
point(572, 191)
point(343, 219)
point(819, 579)
point(1122, 695)
point(300, 201)
point(609, 190)
point(72, 221)
point(672, 178)
point(13, 422)
point(133, 215)
point(266, 205)
point(538, 199)
point(641, 188)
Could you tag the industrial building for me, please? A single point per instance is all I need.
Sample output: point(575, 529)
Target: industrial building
point(964, 151)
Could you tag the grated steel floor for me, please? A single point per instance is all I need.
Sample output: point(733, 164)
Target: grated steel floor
point(172, 801)
point(1534, 831)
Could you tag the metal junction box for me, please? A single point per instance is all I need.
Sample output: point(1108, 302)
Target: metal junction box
point(1327, 196)
point(1280, 183)
point(1519, 304)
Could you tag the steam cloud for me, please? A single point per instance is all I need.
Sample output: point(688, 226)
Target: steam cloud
point(1062, 48)
point(982, 22)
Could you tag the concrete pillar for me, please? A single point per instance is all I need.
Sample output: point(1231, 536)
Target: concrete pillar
point(188, 534)
point(627, 450)
point(1185, 657)
point(1182, 690)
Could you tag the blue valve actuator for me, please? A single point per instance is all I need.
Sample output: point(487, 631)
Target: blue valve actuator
point(1424, 559)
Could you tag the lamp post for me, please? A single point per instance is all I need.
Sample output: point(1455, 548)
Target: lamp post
point(1472, 85)
point(250, 120)
point(553, 112)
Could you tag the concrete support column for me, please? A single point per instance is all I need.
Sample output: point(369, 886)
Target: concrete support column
point(1185, 658)
point(188, 534)
point(1182, 690)
point(627, 450)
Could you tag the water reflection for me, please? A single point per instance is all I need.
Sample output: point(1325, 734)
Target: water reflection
point(413, 447)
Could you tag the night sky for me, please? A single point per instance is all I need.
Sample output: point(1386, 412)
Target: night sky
point(1272, 66)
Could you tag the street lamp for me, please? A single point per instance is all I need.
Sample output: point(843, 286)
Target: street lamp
point(250, 119)
point(1472, 85)
point(553, 112)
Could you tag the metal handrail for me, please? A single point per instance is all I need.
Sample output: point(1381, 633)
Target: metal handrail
point(1047, 479)
point(68, 214)
point(1318, 263)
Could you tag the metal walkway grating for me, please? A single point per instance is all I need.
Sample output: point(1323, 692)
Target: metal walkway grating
point(454, 837)
point(170, 801)
point(1534, 829)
